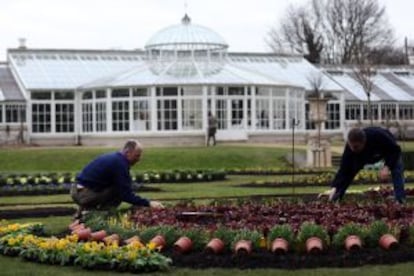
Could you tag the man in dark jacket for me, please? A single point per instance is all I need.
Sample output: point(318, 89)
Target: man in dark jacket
point(105, 182)
point(368, 146)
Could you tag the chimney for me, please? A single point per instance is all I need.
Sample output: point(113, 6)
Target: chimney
point(22, 43)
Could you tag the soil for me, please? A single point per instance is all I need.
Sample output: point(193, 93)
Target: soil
point(265, 259)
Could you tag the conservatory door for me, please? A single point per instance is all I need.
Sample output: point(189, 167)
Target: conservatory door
point(231, 125)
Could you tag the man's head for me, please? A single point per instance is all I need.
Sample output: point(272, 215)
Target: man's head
point(357, 140)
point(132, 151)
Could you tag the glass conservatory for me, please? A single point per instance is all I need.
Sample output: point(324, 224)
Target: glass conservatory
point(165, 91)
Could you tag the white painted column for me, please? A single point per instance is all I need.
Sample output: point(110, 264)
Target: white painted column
point(131, 111)
point(303, 115)
point(287, 119)
point(213, 100)
point(179, 109)
point(77, 116)
point(28, 117)
point(94, 111)
point(53, 114)
point(342, 110)
point(204, 107)
point(379, 111)
point(153, 104)
point(245, 125)
point(253, 107)
point(108, 111)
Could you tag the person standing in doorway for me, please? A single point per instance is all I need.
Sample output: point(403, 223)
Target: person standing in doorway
point(212, 129)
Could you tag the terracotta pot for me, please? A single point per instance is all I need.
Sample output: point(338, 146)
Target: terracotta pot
point(98, 235)
point(83, 234)
point(280, 246)
point(215, 246)
point(159, 241)
point(183, 245)
point(74, 224)
point(314, 245)
point(388, 242)
point(78, 227)
point(114, 238)
point(243, 247)
point(132, 239)
point(353, 243)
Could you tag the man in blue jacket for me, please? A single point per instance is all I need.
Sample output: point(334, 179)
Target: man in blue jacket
point(105, 182)
point(368, 146)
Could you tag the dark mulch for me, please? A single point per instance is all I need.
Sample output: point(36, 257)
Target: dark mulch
point(265, 259)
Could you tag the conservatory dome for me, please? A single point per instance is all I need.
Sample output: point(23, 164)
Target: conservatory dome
point(186, 36)
point(186, 50)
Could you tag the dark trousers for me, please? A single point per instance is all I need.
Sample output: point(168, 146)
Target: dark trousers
point(398, 180)
point(89, 199)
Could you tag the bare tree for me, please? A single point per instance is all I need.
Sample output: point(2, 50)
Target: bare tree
point(301, 31)
point(387, 55)
point(353, 27)
point(364, 74)
point(333, 31)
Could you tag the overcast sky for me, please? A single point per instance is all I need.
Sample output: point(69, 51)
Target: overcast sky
point(128, 24)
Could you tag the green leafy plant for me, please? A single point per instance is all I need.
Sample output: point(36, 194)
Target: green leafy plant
point(283, 231)
point(249, 235)
point(147, 233)
point(376, 229)
point(349, 229)
point(170, 233)
point(310, 229)
point(198, 236)
point(225, 234)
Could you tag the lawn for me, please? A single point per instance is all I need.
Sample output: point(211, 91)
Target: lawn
point(73, 159)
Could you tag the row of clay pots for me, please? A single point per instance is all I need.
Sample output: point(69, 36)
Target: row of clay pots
point(315, 245)
point(184, 244)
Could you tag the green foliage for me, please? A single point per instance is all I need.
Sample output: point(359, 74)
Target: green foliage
point(249, 235)
point(310, 229)
point(375, 230)
point(225, 234)
point(348, 230)
point(283, 231)
point(170, 234)
point(147, 233)
point(198, 236)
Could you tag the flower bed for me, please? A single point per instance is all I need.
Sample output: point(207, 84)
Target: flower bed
point(260, 223)
point(60, 183)
point(16, 239)
point(323, 179)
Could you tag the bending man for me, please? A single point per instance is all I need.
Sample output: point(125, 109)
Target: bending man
point(368, 146)
point(105, 182)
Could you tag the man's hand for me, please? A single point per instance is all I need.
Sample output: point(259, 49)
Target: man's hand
point(332, 194)
point(384, 174)
point(156, 205)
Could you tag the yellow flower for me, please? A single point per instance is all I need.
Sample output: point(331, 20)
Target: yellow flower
point(152, 245)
